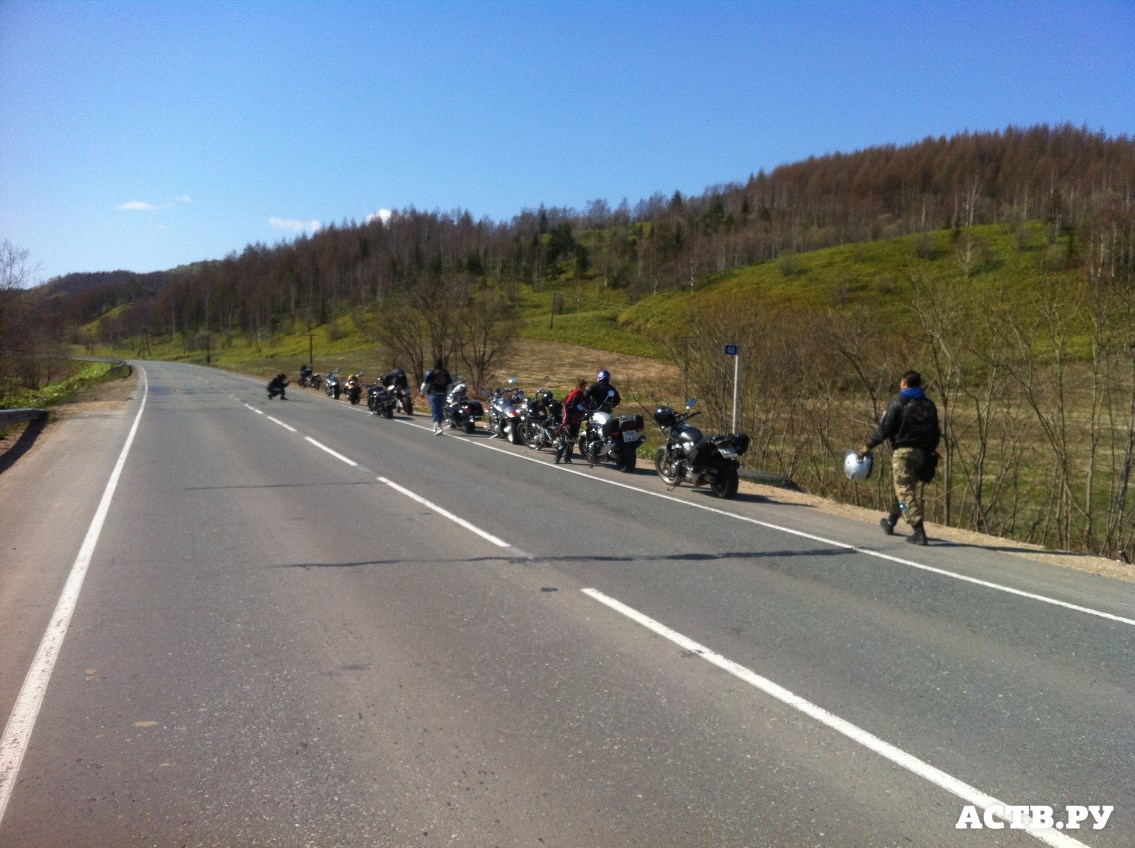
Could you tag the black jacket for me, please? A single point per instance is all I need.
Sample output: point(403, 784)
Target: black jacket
point(911, 421)
point(597, 394)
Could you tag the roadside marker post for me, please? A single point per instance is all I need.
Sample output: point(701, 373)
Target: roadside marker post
point(734, 351)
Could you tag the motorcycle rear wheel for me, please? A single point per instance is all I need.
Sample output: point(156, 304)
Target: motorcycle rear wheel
point(626, 461)
point(469, 426)
point(723, 481)
point(665, 468)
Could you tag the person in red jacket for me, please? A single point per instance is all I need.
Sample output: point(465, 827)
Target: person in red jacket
point(574, 405)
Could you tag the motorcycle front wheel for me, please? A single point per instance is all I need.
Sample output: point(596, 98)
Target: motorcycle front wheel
point(723, 480)
point(665, 468)
point(469, 426)
point(532, 435)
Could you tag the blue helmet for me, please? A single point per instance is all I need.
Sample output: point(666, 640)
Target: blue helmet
point(603, 375)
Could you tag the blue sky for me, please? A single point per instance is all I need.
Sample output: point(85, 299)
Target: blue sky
point(145, 135)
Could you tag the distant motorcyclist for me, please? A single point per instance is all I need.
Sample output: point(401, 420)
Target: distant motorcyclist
point(396, 378)
point(276, 386)
point(597, 395)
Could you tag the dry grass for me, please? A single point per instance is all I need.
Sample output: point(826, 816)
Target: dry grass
point(557, 366)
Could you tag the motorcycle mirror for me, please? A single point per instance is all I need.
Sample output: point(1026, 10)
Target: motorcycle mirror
point(512, 380)
point(610, 393)
point(691, 403)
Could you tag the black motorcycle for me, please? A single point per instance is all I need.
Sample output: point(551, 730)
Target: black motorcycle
point(540, 418)
point(461, 411)
point(690, 456)
point(399, 388)
point(607, 436)
point(379, 400)
point(332, 386)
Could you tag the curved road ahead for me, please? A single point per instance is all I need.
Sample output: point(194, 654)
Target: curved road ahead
point(233, 622)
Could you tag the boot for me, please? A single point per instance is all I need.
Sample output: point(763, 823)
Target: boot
point(888, 524)
point(559, 452)
point(918, 536)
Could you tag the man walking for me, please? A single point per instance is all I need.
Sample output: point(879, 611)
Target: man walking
point(910, 425)
point(434, 387)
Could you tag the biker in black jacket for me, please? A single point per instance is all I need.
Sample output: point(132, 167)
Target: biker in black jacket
point(910, 425)
point(597, 394)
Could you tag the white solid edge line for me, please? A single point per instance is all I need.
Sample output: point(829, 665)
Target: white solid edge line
point(338, 456)
point(18, 730)
point(868, 740)
point(489, 537)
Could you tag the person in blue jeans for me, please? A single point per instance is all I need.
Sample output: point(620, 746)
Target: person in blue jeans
point(434, 387)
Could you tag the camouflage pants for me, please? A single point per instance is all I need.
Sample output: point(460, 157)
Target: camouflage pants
point(905, 465)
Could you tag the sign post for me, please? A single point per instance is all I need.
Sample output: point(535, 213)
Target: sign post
point(734, 351)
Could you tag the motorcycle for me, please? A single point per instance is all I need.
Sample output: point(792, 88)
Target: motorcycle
point(461, 411)
point(399, 388)
point(332, 386)
point(504, 415)
point(354, 388)
point(305, 376)
point(540, 420)
point(692, 457)
point(605, 436)
point(380, 401)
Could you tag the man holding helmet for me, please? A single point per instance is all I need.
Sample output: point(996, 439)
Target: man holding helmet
point(910, 425)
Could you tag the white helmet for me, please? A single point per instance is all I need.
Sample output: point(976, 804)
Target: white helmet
point(857, 467)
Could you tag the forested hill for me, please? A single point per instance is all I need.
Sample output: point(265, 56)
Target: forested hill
point(1073, 179)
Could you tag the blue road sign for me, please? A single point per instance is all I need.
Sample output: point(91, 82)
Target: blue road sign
point(732, 349)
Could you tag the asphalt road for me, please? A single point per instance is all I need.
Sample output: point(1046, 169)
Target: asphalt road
point(300, 625)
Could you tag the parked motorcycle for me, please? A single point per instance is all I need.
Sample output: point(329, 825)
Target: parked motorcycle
point(333, 387)
point(504, 414)
point(399, 388)
point(690, 456)
point(540, 418)
point(379, 400)
point(605, 436)
point(354, 388)
point(305, 376)
point(461, 411)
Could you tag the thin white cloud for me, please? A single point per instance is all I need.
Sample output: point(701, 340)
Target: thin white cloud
point(294, 226)
point(136, 206)
point(185, 198)
point(383, 215)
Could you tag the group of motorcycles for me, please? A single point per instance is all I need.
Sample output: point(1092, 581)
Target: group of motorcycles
point(388, 394)
point(687, 456)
